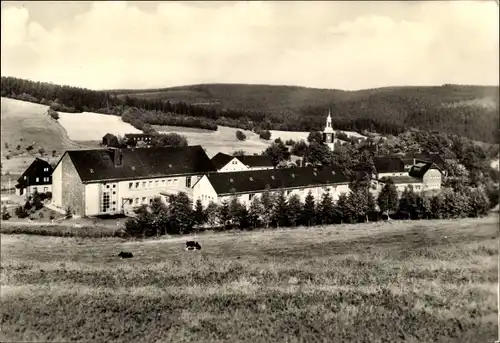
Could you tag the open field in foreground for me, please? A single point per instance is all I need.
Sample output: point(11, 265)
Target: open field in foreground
point(427, 281)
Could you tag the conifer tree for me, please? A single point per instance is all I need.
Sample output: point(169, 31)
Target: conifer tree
point(199, 214)
point(255, 211)
point(267, 201)
point(388, 198)
point(308, 216)
point(280, 214)
point(326, 209)
point(223, 213)
point(294, 209)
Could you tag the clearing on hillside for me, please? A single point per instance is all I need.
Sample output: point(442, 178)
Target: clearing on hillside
point(425, 281)
point(27, 124)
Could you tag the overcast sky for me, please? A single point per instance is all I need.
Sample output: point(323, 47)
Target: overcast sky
point(344, 45)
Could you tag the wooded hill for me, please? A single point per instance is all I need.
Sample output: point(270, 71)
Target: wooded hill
point(470, 111)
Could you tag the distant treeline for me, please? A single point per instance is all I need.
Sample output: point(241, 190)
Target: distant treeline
point(446, 109)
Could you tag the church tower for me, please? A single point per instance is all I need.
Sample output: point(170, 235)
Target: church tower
point(328, 133)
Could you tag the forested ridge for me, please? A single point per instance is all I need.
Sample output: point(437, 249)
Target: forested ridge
point(470, 111)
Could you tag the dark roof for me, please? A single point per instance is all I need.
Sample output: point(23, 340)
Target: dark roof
point(256, 160)
point(98, 165)
point(35, 169)
point(421, 168)
point(388, 164)
point(435, 158)
point(257, 180)
point(221, 159)
point(401, 179)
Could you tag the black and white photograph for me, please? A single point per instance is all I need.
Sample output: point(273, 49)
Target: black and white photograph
point(250, 171)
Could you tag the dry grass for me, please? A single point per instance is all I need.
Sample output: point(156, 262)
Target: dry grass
point(432, 281)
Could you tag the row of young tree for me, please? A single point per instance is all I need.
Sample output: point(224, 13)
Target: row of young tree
point(275, 209)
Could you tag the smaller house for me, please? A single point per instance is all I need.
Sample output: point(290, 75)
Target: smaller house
point(411, 160)
point(430, 174)
point(227, 163)
point(133, 139)
point(36, 178)
point(389, 166)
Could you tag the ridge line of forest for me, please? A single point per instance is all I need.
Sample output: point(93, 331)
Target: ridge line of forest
point(451, 109)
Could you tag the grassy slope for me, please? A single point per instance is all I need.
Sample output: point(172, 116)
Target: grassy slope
point(430, 281)
point(30, 122)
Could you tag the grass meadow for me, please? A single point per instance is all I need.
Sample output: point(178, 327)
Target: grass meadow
point(415, 281)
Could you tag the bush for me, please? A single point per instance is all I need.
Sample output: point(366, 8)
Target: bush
point(21, 212)
point(5, 214)
point(290, 142)
point(266, 134)
point(240, 135)
point(52, 113)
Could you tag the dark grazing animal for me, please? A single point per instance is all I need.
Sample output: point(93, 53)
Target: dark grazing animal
point(125, 254)
point(192, 245)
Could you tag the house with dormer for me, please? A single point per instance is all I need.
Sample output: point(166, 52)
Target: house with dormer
point(36, 178)
point(227, 163)
point(115, 181)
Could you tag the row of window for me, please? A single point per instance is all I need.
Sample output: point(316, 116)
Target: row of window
point(45, 179)
point(140, 201)
point(156, 183)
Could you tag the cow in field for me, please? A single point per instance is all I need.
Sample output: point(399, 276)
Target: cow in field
point(125, 254)
point(193, 245)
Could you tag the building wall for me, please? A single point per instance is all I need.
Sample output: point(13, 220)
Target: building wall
point(233, 165)
point(381, 175)
point(72, 189)
point(124, 196)
point(57, 185)
point(206, 189)
point(432, 179)
point(38, 188)
point(417, 187)
point(92, 192)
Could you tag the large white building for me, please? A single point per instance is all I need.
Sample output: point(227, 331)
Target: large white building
point(115, 181)
point(245, 185)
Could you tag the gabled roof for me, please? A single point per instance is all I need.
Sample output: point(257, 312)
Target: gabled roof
point(97, 164)
point(249, 181)
point(421, 168)
point(34, 169)
point(435, 158)
point(256, 160)
point(388, 164)
point(221, 159)
point(251, 161)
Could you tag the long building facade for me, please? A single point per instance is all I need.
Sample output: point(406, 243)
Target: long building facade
point(115, 181)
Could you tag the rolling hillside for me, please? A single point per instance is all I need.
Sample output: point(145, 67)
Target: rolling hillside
point(471, 111)
point(26, 124)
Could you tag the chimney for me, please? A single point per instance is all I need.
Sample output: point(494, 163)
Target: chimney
point(117, 157)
